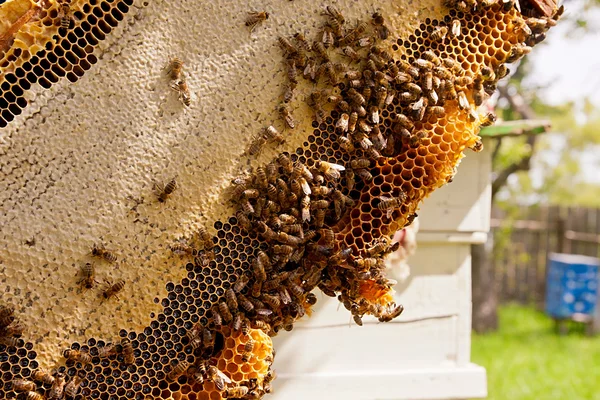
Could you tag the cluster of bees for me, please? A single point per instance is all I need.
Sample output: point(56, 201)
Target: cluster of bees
point(57, 385)
point(88, 273)
point(202, 341)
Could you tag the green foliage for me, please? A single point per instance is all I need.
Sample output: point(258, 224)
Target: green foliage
point(527, 360)
point(578, 126)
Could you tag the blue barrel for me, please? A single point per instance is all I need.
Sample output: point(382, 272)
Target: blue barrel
point(571, 285)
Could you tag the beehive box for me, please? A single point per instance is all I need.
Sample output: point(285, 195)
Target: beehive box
point(328, 350)
point(97, 134)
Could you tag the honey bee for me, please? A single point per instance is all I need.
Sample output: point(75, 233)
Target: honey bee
point(330, 170)
point(218, 377)
point(437, 111)
point(181, 248)
point(272, 301)
point(352, 121)
point(237, 392)
point(356, 97)
point(334, 14)
point(377, 249)
point(256, 17)
point(248, 348)
point(404, 121)
point(478, 92)
point(78, 356)
point(241, 283)
point(478, 146)
point(351, 54)
point(390, 315)
point(262, 325)
point(41, 375)
point(208, 339)
point(487, 74)
point(175, 69)
point(501, 71)
point(6, 316)
point(517, 52)
point(463, 102)
point(263, 312)
point(183, 91)
point(388, 204)
point(127, 351)
point(205, 237)
point(101, 252)
point(259, 270)
point(346, 144)
point(166, 191)
point(89, 274)
point(231, 299)
point(329, 70)
point(225, 312)
point(9, 341)
point(360, 163)
point(196, 374)
point(58, 387)
point(319, 218)
point(321, 51)
point(34, 396)
point(256, 145)
point(72, 388)
point(449, 90)
point(287, 46)
point(284, 295)
point(273, 135)
point(364, 175)
point(357, 320)
point(285, 162)
point(327, 38)
point(247, 207)
point(65, 14)
point(354, 34)
point(178, 370)
point(488, 119)
point(245, 303)
point(113, 290)
point(107, 351)
point(22, 385)
point(243, 220)
point(382, 30)
point(301, 39)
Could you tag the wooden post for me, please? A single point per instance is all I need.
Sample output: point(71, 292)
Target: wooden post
point(560, 234)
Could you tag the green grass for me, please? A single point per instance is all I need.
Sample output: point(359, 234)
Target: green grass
point(527, 360)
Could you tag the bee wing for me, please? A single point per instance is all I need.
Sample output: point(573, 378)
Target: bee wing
point(224, 377)
point(337, 167)
point(305, 186)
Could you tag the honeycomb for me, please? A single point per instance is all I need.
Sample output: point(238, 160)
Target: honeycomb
point(35, 49)
point(392, 120)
